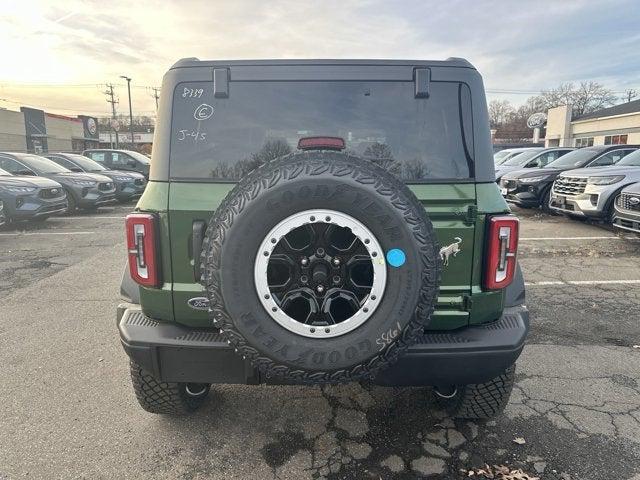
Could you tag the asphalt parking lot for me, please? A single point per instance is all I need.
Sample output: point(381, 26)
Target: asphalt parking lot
point(67, 409)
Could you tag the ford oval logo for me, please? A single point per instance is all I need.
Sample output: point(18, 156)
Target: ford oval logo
point(199, 303)
point(634, 200)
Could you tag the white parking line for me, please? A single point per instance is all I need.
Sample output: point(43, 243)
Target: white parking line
point(24, 234)
point(582, 282)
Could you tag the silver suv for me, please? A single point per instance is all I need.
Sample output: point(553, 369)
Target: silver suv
point(590, 192)
point(627, 209)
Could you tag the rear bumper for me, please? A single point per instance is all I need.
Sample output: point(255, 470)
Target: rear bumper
point(174, 353)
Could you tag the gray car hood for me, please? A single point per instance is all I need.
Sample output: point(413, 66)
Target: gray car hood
point(602, 171)
point(28, 181)
point(71, 176)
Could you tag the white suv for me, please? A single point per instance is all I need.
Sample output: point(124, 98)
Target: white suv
point(590, 192)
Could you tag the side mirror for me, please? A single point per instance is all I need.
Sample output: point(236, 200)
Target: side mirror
point(76, 169)
point(26, 172)
point(131, 163)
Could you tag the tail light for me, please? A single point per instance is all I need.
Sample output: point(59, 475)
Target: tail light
point(142, 249)
point(502, 245)
point(321, 143)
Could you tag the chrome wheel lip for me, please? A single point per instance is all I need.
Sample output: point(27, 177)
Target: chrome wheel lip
point(299, 219)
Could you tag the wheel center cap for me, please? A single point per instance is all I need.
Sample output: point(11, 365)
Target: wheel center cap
point(320, 273)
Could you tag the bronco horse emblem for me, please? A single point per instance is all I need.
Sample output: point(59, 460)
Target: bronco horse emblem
point(453, 249)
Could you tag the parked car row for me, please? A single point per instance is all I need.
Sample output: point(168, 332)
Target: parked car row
point(599, 182)
point(35, 187)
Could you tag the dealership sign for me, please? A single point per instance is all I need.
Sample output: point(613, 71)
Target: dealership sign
point(537, 120)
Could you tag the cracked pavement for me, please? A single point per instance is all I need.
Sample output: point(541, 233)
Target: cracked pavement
point(67, 409)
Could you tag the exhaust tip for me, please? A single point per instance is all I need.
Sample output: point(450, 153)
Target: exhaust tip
point(195, 389)
point(446, 392)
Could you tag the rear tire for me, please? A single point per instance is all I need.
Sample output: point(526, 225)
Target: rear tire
point(481, 400)
point(166, 397)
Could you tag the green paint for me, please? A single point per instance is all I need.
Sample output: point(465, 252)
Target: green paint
point(456, 210)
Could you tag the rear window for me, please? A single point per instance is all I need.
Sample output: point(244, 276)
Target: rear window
point(417, 139)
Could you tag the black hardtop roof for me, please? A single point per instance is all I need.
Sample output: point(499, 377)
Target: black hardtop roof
point(449, 62)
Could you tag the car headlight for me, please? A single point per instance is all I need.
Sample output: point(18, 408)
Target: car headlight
point(605, 180)
point(535, 179)
point(85, 183)
point(15, 189)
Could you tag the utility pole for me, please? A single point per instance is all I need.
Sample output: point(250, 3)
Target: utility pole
point(631, 94)
point(112, 100)
point(130, 110)
point(155, 96)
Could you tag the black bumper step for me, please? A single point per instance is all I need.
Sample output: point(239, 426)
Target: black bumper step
point(175, 353)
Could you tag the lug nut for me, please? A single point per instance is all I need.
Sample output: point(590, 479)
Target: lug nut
point(304, 279)
point(320, 252)
point(336, 279)
point(336, 261)
point(304, 261)
point(319, 289)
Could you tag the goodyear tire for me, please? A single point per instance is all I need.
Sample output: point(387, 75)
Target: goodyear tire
point(166, 398)
point(324, 195)
point(481, 400)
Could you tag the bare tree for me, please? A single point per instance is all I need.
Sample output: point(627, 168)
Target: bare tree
point(630, 94)
point(585, 98)
point(271, 150)
point(591, 96)
point(500, 112)
point(381, 154)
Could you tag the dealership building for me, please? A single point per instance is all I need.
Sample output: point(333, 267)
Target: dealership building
point(36, 131)
point(615, 125)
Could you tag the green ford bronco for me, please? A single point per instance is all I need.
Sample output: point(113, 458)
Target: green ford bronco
point(318, 222)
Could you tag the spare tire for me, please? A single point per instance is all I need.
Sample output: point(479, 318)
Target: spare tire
point(320, 267)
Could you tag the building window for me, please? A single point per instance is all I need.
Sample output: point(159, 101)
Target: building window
point(584, 142)
point(615, 140)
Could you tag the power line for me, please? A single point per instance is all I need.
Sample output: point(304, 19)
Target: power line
point(155, 96)
point(111, 99)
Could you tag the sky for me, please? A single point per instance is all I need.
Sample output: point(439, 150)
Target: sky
point(58, 55)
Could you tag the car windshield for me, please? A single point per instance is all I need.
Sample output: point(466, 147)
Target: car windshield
point(139, 157)
point(631, 160)
point(85, 163)
point(4, 173)
point(500, 155)
point(522, 158)
point(413, 138)
point(40, 164)
point(575, 159)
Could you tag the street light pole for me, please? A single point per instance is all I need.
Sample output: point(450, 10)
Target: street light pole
point(130, 110)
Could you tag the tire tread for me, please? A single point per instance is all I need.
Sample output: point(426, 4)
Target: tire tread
point(339, 165)
point(161, 397)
